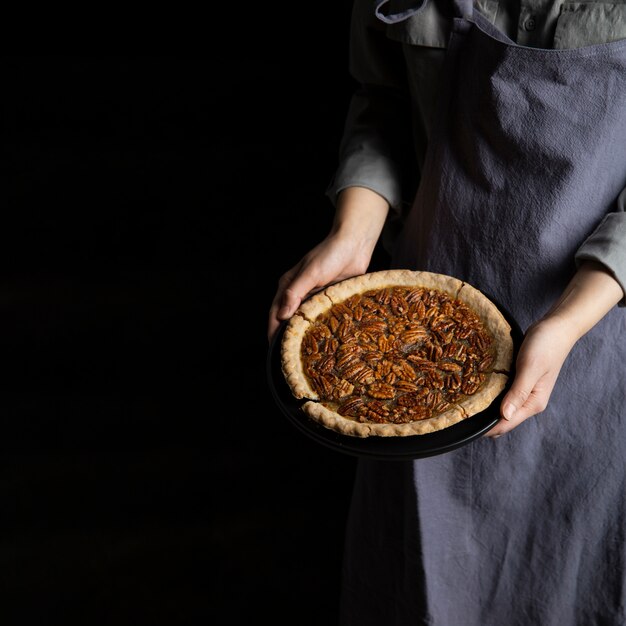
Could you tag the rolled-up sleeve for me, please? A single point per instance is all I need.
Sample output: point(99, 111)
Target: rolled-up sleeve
point(607, 244)
point(376, 149)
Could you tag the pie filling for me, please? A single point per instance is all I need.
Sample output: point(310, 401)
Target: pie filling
point(396, 355)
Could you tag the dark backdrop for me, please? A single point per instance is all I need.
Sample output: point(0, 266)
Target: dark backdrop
point(149, 206)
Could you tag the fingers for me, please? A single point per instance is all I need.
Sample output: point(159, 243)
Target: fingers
point(272, 326)
point(277, 303)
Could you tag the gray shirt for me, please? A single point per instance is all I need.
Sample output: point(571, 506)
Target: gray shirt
point(398, 69)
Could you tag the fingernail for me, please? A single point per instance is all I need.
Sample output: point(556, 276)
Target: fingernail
point(283, 311)
point(508, 411)
point(496, 436)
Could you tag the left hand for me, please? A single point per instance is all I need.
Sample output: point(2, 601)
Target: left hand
point(541, 356)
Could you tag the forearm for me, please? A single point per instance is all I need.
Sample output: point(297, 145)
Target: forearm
point(588, 297)
point(360, 215)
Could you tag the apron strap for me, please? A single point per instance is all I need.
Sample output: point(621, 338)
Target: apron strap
point(462, 9)
point(394, 18)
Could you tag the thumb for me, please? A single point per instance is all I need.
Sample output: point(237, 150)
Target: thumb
point(289, 303)
point(520, 401)
point(298, 290)
point(513, 400)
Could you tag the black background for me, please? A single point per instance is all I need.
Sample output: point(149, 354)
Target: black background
point(150, 204)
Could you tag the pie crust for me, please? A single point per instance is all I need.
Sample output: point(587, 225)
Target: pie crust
point(396, 353)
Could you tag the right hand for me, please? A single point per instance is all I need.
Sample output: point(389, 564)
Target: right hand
point(335, 258)
point(346, 252)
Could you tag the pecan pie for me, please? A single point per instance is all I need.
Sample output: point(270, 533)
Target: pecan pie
point(396, 353)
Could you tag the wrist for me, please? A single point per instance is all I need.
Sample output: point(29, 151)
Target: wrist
point(588, 297)
point(563, 326)
point(357, 251)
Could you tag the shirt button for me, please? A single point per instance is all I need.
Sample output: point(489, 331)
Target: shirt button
point(530, 23)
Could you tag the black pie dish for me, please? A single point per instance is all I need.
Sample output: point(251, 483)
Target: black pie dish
point(385, 448)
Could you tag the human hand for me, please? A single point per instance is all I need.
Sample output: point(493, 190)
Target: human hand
point(541, 356)
point(590, 294)
point(335, 258)
point(345, 252)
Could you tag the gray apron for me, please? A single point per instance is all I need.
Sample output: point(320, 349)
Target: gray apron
point(527, 157)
